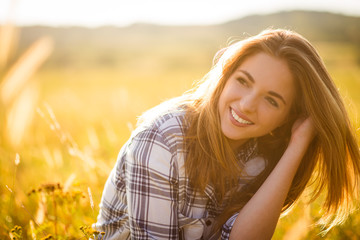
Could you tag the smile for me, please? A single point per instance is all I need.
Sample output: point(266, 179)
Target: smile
point(239, 119)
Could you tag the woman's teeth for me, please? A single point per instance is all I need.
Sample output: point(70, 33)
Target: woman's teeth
point(239, 119)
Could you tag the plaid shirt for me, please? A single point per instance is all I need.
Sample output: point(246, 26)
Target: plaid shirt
point(147, 195)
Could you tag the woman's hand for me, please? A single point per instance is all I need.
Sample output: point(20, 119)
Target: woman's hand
point(303, 132)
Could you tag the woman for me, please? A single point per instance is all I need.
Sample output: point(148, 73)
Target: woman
point(225, 159)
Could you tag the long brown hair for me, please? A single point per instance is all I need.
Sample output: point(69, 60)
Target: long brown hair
point(331, 163)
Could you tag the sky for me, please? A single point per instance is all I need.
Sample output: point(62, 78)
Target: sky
point(94, 13)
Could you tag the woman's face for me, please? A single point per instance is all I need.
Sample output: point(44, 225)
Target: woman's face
point(256, 99)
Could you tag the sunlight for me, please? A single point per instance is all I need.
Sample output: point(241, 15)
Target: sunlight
point(122, 13)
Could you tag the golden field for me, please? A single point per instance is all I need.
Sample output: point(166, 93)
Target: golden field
point(63, 123)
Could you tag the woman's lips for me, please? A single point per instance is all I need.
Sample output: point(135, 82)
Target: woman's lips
point(239, 119)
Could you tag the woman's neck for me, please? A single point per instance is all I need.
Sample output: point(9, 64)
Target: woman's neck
point(236, 144)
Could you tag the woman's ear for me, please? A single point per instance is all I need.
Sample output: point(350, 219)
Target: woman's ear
point(297, 111)
point(285, 128)
point(290, 119)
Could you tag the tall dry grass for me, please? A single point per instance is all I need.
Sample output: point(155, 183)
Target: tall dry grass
point(18, 88)
point(49, 208)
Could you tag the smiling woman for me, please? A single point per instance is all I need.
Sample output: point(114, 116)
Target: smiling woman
point(226, 158)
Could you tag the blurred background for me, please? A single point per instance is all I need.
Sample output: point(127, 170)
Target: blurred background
point(74, 76)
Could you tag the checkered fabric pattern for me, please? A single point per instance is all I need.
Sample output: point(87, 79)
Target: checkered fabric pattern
point(147, 195)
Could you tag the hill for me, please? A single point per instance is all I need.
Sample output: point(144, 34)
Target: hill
point(111, 45)
point(316, 26)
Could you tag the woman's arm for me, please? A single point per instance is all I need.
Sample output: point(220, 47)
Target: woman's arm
point(258, 218)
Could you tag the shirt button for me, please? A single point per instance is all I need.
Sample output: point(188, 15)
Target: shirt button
point(208, 222)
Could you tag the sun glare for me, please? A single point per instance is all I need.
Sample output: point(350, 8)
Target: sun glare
point(121, 13)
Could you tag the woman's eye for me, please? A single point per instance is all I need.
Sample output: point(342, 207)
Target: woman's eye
point(272, 102)
point(242, 81)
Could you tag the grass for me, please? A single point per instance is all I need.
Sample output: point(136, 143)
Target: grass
point(62, 127)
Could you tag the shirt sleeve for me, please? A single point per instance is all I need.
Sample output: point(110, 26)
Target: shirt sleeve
point(113, 217)
point(151, 186)
point(226, 229)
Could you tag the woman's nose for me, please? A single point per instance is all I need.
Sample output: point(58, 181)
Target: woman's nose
point(248, 103)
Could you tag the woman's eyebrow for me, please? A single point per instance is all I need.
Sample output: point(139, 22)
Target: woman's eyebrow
point(248, 75)
point(278, 96)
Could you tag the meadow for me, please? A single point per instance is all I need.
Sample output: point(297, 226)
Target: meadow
point(63, 122)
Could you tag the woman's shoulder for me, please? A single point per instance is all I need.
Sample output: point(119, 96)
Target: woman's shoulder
point(157, 142)
point(168, 122)
point(170, 119)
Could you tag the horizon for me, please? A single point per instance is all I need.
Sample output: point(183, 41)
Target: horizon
point(188, 25)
